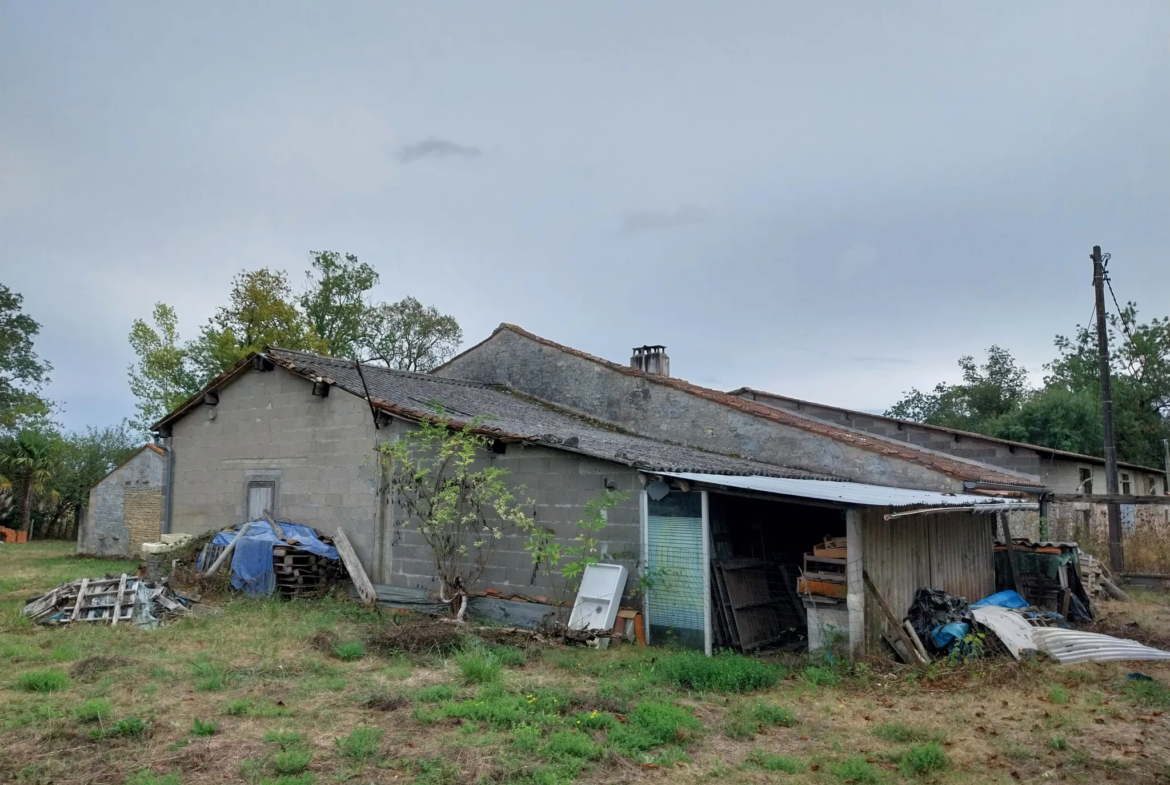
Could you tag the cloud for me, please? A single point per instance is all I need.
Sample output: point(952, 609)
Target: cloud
point(434, 147)
point(859, 257)
point(646, 221)
point(881, 360)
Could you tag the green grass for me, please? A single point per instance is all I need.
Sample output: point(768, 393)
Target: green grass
point(570, 744)
point(209, 676)
point(748, 718)
point(854, 769)
point(1058, 694)
point(351, 650)
point(43, 681)
point(362, 743)
point(436, 693)
point(148, 777)
point(1154, 694)
point(903, 734)
point(923, 759)
point(129, 727)
point(1058, 743)
point(479, 664)
point(284, 738)
point(204, 728)
point(94, 710)
point(652, 725)
point(291, 761)
point(770, 762)
point(724, 673)
point(817, 675)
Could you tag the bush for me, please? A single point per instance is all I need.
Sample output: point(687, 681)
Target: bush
point(923, 759)
point(361, 743)
point(724, 673)
point(747, 719)
point(479, 665)
point(770, 762)
point(291, 761)
point(204, 728)
point(854, 769)
point(353, 650)
point(435, 694)
point(93, 710)
point(43, 681)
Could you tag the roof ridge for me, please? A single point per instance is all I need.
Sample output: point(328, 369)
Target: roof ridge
point(367, 366)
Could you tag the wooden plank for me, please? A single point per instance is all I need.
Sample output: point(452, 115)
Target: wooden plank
point(231, 546)
point(80, 599)
point(349, 558)
point(830, 553)
point(913, 636)
point(275, 526)
point(118, 599)
point(890, 617)
point(1013, 567)
point(824, 588)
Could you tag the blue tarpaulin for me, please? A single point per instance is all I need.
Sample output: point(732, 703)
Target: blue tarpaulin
point(252, 558)
point(1003, 599)
point(946, 634)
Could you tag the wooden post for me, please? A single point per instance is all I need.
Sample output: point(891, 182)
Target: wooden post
point(1116, 554)
point(1013, 568)
point(80, 599)
point(349, 558)
point(895, 625)
point(279, 532)
point(118, 599)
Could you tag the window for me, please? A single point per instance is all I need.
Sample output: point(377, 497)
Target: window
point(1126, 486)
point(1086, 485)
point(261, 500)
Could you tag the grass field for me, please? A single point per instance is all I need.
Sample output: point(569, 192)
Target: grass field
point(277, 692)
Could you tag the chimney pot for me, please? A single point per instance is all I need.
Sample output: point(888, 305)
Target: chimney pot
point(651, 359)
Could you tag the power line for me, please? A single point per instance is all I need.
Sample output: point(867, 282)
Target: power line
point(1120, 316)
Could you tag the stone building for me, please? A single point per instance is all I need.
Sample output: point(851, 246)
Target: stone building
point(125, 507)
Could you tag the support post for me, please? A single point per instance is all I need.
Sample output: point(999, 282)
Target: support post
point(1013, 568)
point(644, 518)
point(1116, 554)
point(708, 644)
point(855, 584)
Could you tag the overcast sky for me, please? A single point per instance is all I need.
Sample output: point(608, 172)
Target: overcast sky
point(827, 200)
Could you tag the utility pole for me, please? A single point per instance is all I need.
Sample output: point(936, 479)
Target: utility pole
point(1166, 449)
point(1116, 556)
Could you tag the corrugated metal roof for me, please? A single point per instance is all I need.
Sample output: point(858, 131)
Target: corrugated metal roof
point(1070, 646)
point(851, 492)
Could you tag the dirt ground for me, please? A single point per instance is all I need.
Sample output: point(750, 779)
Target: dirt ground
point(322, 691)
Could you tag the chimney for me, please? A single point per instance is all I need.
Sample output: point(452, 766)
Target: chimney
point(651, 359)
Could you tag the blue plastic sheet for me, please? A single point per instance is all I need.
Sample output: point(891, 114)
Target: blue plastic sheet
point(252, 558)
point(947, 634)
point(1003, 599)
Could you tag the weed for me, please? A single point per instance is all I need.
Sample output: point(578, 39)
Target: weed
point(817, 675)
point(725, 673)
point(436, 693)
point(854, 769)
point(291, 761)
point(361, 743)
point(653, 724)
point(770, 762)
point(204, 728)
point(93, 710)
point(1017, 752)
point(1149, 693)
point(749, 718)
point(304, 778)
point(43, 681)
point(284, 738)
point(897, 732)
point(436, 771)
point(1058, 743)
point(352, 650)
point(1058, 694)
point(130, 726)
point(148, 777)
point(238, 708)
point(526, 737)
point(923, 759)
point(209, 676)
point(570, 744)
point(479, 664)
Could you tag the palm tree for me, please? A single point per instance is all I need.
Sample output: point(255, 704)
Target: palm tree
point(27, 461)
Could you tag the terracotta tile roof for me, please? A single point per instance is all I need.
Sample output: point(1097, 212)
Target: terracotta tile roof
point(954, 467)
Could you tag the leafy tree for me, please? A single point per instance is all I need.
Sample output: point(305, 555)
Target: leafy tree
point(162, 378)
point(460, 507)
point(411, 337)
point(22, 372)
point(1056, 418)
point(988, 392)
point(260, 312)
point(27, 461)
point(334, 301)
point(83, 459)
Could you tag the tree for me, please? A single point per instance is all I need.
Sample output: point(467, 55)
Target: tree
point(22, 372)
point(334, 300)
point(459, 508)
point(260, 312)
point(162, 378)
point(27, 462)
point(82, 460)
point(988, 392)
point(410, 337)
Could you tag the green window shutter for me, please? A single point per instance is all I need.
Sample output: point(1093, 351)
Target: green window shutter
point(674, 538)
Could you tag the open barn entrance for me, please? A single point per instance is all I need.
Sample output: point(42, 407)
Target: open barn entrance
point(759, 550)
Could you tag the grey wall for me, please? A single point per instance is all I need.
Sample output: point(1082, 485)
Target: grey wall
point(268, 425)
point(662, 412)
point(105, 530)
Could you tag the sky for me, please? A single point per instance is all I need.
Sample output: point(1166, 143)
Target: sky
point(832, 201)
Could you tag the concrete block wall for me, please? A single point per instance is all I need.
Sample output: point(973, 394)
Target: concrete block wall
point(559, 484)
point(662, 412)
point(107, 530)
point(268, 426)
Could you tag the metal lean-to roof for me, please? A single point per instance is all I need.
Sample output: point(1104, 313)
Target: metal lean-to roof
point(852, 492)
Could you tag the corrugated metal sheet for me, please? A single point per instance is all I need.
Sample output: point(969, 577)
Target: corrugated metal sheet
point(1070, 646)
point(851, 492)
point(948, 551)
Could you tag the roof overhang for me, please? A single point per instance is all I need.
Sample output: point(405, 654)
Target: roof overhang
point(856, 494)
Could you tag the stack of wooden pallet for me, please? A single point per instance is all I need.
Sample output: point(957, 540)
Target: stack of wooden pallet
point(300, 572)
point(105, 600)
point(755, 603)
point(824, 570)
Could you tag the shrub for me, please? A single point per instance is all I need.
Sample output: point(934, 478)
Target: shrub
point(435, 694)
point(724, 673)
point(479, 665)
point(652, 725)
point(1058, 694)
point(291, 761)
point(93, 710)
point(361, 743)
point(749, 718)
point(897, 732)
point(352, 650)
point(204, 728)
point(43, 681)
point(853, 769)
point(770, 762)
point(818, 674)
point(923, 759)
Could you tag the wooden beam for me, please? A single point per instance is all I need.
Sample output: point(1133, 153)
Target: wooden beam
point(895, 625)
point(1107, 498)
point(118, 599)
point(349, 558)
point(80, 599)
point(1013, 567)
point(231, 546)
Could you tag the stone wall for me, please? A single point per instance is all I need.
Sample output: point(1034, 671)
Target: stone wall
point(125, 508)
point(663, 412)
point(1145, 532)
point(142, 511)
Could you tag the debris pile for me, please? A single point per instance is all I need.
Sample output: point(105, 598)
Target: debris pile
point(274, 558)
point(109, 600)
